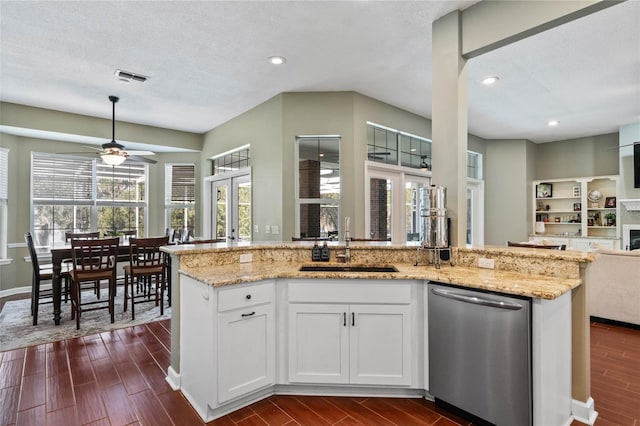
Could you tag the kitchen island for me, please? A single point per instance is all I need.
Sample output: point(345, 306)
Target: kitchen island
point(220, 285)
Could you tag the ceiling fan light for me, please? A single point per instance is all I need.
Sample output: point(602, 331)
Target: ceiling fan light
point(113, 158)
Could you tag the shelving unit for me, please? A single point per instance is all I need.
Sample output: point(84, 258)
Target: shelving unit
point(568, 215)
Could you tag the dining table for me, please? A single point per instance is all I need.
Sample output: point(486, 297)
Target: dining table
point(58, 256)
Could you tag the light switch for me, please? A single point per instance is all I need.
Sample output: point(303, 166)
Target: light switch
point(275, 229)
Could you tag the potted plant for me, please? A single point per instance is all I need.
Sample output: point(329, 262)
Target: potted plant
point(611, 219)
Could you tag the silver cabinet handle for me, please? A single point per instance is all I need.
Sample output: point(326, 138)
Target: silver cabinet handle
point(450, 294)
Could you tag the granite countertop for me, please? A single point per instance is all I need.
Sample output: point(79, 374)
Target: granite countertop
point(537, 286)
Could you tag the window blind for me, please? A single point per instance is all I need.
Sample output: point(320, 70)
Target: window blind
point(182, 185)
point(4, 174)
point(59, 178)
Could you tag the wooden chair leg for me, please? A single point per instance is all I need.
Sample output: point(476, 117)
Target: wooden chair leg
point(126, 291)
point(35, 302)
point(112, 298)
point(162, 285)
point(133, 302)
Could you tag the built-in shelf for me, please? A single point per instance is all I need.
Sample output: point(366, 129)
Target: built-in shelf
point(580, 218)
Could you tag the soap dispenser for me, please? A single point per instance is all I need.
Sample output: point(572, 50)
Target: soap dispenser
point(324, 254)
point(316, 252)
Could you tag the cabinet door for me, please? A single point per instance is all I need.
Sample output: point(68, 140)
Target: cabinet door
point(197, 358)
point(380, 346)
point(246, 351)
point(318, 343)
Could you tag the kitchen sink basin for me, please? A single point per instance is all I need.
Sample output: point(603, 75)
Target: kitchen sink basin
point(348, 268)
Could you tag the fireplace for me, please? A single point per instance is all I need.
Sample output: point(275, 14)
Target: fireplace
point(631, 237)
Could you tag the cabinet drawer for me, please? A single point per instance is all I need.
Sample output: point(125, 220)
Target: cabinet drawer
point(245, 296)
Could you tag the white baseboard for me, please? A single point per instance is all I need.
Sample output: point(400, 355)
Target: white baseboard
point(584, 411)
point(173, 378)
point(19, 290)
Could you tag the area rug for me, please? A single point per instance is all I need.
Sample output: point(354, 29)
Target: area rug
point(17, 329)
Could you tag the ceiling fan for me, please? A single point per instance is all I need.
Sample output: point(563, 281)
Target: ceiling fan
point(113, 153)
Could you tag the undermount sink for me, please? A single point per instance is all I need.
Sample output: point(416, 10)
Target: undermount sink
point(347, 268)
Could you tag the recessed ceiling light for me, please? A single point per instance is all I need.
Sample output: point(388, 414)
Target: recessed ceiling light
point(277, 60)
point(490, 80)
point(553, 123)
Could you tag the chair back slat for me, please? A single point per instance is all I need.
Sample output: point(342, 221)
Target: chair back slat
point(145, 252)
point(94, 255)
point(70, 236)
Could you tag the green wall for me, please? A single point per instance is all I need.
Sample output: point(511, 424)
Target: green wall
point(18, 273)
point(588, 156)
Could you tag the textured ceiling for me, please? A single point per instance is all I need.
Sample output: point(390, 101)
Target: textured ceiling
point(208, 62)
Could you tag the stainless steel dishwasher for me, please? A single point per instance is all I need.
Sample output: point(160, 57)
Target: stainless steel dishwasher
point(480, 353)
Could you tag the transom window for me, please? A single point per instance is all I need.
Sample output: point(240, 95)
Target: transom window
point(231, 161)
point(389, 146)
point(76, 194)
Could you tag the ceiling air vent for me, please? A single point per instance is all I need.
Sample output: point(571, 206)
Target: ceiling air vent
point(128, 76)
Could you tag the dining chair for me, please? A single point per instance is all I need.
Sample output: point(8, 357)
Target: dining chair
point(70, 236)
point(149, 264)
point(43, 273)
point(93, 261)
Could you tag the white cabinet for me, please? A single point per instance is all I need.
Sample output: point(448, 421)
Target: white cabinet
point(318, 343)
point(197, 358)
point(365, 343)
point(246, 340)
point(227, 342)
point(592, 244)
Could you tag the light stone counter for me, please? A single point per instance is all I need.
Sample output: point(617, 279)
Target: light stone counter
point(545, 274)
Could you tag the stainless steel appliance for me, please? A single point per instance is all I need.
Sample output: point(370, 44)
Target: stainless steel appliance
point(480, 353)
point(433, 211)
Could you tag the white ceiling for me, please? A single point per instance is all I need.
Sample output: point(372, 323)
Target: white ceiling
point(208, 62)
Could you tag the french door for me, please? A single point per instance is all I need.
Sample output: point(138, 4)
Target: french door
point(230, 207)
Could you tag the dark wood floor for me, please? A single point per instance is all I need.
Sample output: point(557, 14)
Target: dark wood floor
point(117, 378)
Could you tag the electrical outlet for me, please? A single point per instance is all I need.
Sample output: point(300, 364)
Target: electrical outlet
point(267, 229)
point(486, 263)
point(256, 228)
point(246, 258)
point(275, 229)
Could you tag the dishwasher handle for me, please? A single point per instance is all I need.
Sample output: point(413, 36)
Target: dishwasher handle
point(450, 294)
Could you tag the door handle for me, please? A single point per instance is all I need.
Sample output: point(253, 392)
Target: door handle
point(353, 319)
point(476, 300)
point(249, 314)
point(344, 319)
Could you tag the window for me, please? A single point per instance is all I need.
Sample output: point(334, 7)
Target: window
point(4, 199)
point(81, 195)
point(231, 161)
point(180, 196)
point(318, 186)
point(393, 157)
point(389, 146)
point(474, 165)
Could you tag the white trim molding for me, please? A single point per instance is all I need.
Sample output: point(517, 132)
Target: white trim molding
point(584, 412)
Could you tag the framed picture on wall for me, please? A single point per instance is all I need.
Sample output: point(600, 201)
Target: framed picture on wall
point(577, 207)
point(544, 190)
